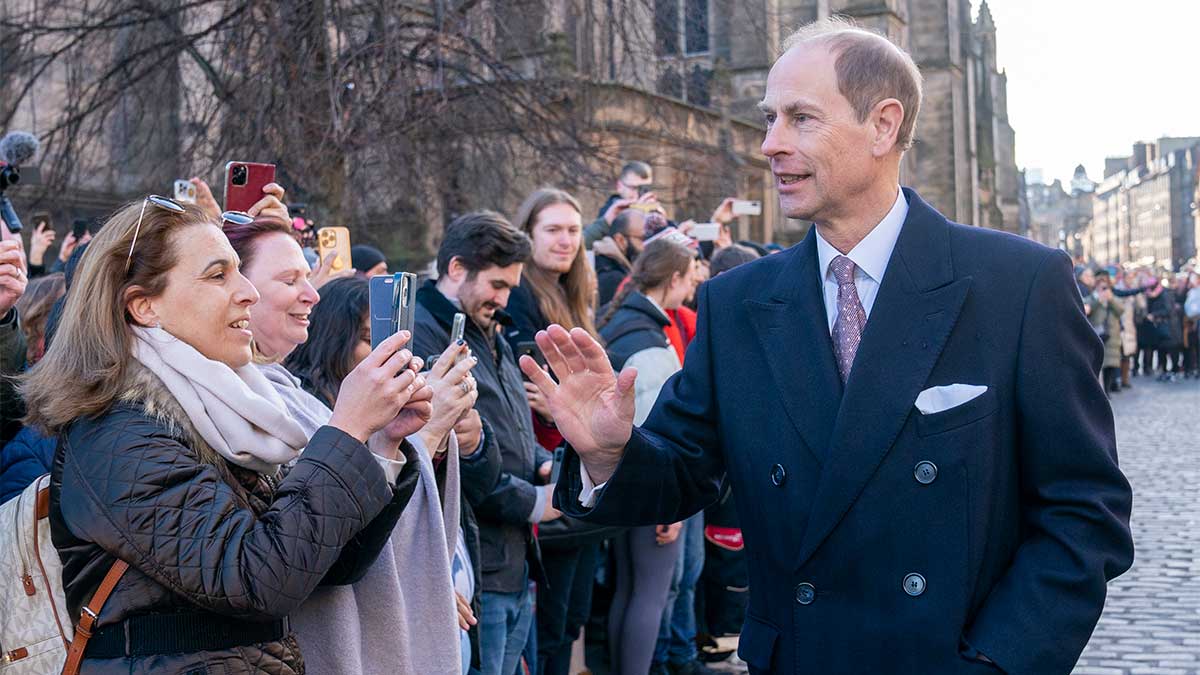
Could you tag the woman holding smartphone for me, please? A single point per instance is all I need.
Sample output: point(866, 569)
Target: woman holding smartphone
point(402, 615)
point(172, 453)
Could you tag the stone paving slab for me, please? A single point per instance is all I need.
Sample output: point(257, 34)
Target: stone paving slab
point(1151, 623)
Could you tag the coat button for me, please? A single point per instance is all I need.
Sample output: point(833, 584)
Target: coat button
point(778, 475)
point(914, 584)
point(806, 593)
point(926, 472)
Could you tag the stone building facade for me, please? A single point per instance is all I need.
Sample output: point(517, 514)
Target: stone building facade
point(1060, 217)
point(675, 83)
point(1144, 211)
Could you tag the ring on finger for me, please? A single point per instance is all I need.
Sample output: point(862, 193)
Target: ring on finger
point(465, 386)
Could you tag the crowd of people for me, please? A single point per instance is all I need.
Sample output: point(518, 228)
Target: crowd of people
point(1147, 320)
point(204, 394)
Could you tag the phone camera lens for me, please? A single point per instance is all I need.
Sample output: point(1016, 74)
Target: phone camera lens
point(239, 174)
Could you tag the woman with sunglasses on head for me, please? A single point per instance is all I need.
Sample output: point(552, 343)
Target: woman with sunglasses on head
point(399, 628)
point(170, 453)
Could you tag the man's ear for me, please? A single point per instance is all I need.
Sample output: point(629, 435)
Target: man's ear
point(456, 270)
point(887, 117)
point(141, 307)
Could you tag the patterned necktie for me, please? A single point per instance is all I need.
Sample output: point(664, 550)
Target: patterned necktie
point(851, 318)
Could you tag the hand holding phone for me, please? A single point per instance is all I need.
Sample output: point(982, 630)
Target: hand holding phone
point(244, 183)
point(393, 304)
point(334, 240)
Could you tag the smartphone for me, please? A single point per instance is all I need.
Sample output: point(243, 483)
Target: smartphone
point(334, 240)
point(530, 349)
point(393, 301)
point(244, 183)
point(80, 227)
point(456, 334)
point(556, 468)
point(743, 207)
point(185, 192)
point(706, 231)
point(643, 189)
point(648, 208)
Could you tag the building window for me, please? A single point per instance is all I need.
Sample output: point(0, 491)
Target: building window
point(666, 27)
point(695, 26)
point(681, 27)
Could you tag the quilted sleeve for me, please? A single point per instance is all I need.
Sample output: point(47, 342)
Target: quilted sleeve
point(358, 556)
point(146, 498)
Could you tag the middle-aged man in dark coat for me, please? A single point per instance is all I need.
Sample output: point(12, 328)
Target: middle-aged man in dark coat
point(907, 409)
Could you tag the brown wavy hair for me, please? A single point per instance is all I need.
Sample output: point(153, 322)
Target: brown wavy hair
point(570, 299)
point(84, 371)
point(34, 309)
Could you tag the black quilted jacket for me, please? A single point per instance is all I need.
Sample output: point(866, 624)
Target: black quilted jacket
point(209, 537)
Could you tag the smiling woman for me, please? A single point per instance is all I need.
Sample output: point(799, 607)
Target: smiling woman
point(272, 260)
point(167, 433)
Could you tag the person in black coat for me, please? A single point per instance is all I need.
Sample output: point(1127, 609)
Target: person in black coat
point(479, 262)
point(221, 540)
point(908, 409)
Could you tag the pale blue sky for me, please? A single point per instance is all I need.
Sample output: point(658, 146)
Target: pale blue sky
point(1087, 78)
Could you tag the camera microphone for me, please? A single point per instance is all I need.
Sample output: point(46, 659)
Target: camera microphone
point(16, 148)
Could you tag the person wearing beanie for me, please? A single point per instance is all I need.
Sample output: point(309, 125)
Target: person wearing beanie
point(368, 260)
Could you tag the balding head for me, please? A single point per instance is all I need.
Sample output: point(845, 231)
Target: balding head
point(869, 69)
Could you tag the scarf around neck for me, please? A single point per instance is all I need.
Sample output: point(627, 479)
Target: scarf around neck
point(236, 411)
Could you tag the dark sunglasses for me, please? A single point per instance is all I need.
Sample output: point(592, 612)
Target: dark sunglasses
point(162, 203)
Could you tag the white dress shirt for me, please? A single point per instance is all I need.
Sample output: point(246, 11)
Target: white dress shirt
point(870, 257)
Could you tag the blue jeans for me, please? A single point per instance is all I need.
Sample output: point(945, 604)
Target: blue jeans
point(504, 630)
point(677, 634)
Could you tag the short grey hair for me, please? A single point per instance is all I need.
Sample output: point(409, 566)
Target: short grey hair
point(869, 69)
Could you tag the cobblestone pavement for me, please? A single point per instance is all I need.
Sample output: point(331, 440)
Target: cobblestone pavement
point(1151, 623)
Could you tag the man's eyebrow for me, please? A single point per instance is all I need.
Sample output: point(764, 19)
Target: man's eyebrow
point(790, 108)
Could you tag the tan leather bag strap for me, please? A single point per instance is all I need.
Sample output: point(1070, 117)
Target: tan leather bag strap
point(83, 630)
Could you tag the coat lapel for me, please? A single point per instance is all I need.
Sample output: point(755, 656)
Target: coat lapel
point(794, 333)
point(916, 309)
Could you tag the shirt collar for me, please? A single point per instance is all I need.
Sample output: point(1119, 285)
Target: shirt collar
point(872, 254)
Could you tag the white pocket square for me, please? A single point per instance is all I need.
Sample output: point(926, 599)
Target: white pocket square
point(940, 399)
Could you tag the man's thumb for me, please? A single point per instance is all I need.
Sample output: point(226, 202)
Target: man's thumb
point(625, 382)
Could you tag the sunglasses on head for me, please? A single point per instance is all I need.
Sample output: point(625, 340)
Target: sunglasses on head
point(162, 203)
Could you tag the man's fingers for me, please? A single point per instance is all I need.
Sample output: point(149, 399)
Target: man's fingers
point(554, 359)
point(462, 369)
point(536, 375)
point(594, 358)
point(566, 346)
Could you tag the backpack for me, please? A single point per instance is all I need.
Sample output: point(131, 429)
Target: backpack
point(36, 636)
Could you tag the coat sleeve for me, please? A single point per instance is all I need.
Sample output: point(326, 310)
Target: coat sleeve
point(1075, 501)
point(12, 362)
point(480, 471)
point(27, 456)
point(673, 464)
point(147, 499)
point(358, 555)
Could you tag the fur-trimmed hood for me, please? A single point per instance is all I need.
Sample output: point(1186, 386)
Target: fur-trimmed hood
point(144, 389)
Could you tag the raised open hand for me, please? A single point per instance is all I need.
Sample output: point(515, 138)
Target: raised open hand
point(591, 405)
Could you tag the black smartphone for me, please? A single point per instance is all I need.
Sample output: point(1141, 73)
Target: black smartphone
point(643, 189)
point(530, 349)
point(556, 468)
point(393, 301)
point(80, 227)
